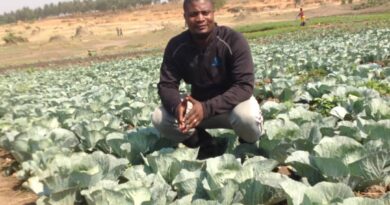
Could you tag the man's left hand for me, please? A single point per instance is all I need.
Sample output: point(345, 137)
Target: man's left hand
point(195, 116)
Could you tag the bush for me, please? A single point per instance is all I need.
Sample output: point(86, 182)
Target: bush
point(218, 4)
point(11, 38)
point(370, 3)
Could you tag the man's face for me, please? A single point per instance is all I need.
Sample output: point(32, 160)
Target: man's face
point(199, 16)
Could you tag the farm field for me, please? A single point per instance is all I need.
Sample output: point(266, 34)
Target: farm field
point(82, 134)
point(54, 41)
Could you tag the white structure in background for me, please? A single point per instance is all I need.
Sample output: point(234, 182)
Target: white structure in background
point(159, 1)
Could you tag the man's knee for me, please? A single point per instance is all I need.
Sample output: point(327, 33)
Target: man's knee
point(246, 114)
point(247, 126)
point(156, 118)
point(243, 117)
point(247, 120)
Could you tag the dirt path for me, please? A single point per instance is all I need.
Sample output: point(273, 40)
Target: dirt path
point(62, 54)
point(143, 29)
point(11, 191)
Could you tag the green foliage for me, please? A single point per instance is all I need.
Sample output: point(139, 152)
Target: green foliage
point(70, 7)
point(11, 38)
point(218, 4)
point(267, 29)
point(382, 87)
point(347, 22)
point(31, 70)
point(369, 3)
point(324, 105)
point(85, 134)
point(312, 75)
point(92, 53)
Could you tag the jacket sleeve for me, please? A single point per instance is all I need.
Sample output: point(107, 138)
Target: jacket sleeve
point(242, 76)
point(168, 86)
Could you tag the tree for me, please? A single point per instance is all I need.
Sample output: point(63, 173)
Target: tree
point(219, 4)
point(75, 6)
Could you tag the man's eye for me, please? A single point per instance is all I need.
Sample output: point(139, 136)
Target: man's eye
point(193, 14)
point(205, 13)
point(196, 13)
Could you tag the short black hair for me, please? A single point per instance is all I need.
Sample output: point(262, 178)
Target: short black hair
point(187, 2)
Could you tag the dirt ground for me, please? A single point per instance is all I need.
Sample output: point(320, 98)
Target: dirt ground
point(11, 191)
point(144, 29)
point(147, 28)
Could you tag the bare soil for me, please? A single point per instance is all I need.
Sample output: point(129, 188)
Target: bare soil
point(147, 28)
point(11, 191)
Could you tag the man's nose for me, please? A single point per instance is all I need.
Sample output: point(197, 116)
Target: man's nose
point(200, 17)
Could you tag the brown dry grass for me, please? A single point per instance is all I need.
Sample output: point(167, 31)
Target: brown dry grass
point(145, 28)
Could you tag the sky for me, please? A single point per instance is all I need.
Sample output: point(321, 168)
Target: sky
point(12, 5)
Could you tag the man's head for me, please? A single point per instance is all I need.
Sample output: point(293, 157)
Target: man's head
point(199, 17)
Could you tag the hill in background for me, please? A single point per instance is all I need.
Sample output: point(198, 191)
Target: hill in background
point(146, 28)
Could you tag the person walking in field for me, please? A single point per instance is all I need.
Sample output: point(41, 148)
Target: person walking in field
point(301, 15)
point(216, 61)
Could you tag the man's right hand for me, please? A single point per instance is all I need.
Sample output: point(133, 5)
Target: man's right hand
point(180, 114)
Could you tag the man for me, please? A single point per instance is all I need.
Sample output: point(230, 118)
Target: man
point(216, 61)
point(302, 17)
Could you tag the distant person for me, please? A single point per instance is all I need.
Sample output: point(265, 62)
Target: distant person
point(301, 15)
point(216, 61)
point(119, 32)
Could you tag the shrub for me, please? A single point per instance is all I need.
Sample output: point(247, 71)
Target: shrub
point(11, 38)
point(369, 3)
point(218, 4)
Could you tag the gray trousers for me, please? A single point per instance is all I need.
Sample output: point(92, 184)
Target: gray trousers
point(245, 119)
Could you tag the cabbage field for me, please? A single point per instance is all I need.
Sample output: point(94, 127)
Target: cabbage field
point(83, 135)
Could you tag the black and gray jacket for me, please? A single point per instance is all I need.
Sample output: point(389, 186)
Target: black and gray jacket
point(221, 75)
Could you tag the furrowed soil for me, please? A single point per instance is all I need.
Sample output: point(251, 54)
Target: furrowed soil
point(77, 39)
point(11, 191)
point(54, 43)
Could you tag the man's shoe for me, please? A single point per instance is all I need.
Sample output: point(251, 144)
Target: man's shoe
point(210, 146)
point(199, 137)
point(203, 135)
point(193, 141)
